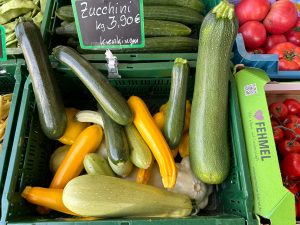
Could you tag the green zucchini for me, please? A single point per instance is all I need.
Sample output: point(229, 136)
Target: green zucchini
point(152, 28)
point(197, 5)
point(156, 28)
point(140, 154)
point(209, 149)
point(67, 30)
point(108, 197)
point(175, 114)
point(49, 102)
point(117, 146)
point(65, 13)
point(113, 103)
point(173, 13)
point(158, 44)
point(95, 164)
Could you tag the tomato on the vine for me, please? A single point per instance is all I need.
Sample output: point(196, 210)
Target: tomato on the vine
point(274, 123)
point(298, 209)
point(290, 166)
point(293, 187)
point(293, 106)
point(278, 134)
point(278, 110)
point(292, 132)
point(288, 146)
point(291, 119)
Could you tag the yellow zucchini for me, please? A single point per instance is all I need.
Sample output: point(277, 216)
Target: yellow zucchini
point(154, 138)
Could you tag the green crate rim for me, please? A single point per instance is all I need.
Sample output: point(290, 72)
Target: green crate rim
point(13, 114)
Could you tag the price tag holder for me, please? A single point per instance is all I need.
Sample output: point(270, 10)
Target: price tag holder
point(109, 24)
point(3, 56)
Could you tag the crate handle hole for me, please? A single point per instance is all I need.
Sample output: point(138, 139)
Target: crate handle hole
point(129, 67)
point(133, 56)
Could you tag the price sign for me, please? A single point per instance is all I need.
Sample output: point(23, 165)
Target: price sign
point(109, 23)
point(3, 56)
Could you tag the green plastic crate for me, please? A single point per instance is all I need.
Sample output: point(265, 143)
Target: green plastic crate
point(52, 40)
point(230, 204)
point(11, 81)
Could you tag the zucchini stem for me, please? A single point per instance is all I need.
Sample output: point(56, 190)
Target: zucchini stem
point(224, 10)
point(180, 60)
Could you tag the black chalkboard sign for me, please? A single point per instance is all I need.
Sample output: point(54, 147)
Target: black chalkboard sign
point(109, 23)
point(2, 44)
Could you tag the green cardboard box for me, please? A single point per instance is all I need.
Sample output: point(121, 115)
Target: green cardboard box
point(255, 91)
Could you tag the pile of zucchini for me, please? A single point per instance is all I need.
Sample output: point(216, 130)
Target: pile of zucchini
point(170, 26)
point(11, 10)
point(132, 138)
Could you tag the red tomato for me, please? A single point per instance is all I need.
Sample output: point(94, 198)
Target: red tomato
point(274, 40)
point(254, 34)
point(290, 166)
point(256, 51)
point(288, 55)
point(286, 146)
point(274, 123)
point(291, 119)
point(248, 10)
point(282, 17)
point(293, 132)
point(298, 209)
point(293, 187)
point(293, 106)
point(278, 110)
point(278, 134)
point(293, 35)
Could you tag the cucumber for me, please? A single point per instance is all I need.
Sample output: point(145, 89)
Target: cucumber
point(197, 5)
point(165, 28)
point(65, 13)
point(113, 103)
point(175, 114)
point(209, 149)
point(140, 154)
point(49, 102)
point(157, 44)
point(173, 13)
point(152, 28)
point(108, 197)
point(117, 146)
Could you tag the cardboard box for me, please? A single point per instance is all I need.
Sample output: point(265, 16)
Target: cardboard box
point(271, 199)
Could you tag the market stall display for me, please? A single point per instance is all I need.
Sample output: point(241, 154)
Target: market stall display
point(88, 147)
